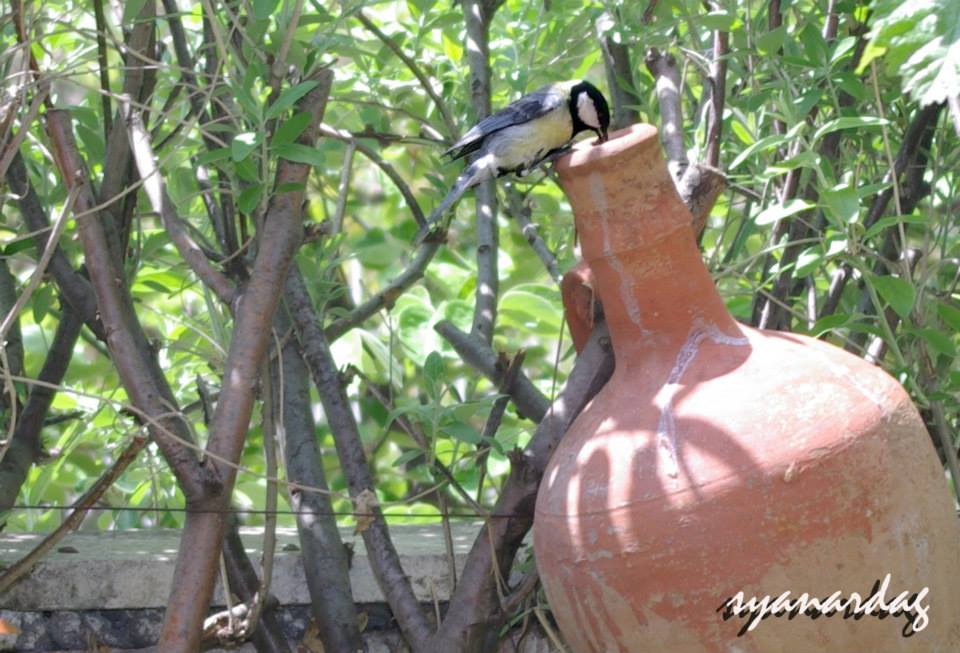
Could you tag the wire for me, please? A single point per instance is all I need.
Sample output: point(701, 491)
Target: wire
point(261, 511)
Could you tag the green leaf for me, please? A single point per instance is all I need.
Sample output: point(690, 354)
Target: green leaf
point(586, 64)
point(841, 203)
point(745, 137)
point(883, 224)
point(462, 432)
point(950, 315)
point(249, 198)
point(939, 342)
point(263, 9)
point(779, 211)
point(291, 128)
point(212, 156)
point(720, 21)
point(452, 49)
point(242, 145)
point(42, 300)
point(829, 323)
point(920, 41)
point(807, 261)
point(849, 123)
point(407, 456)
point(288, 98)
point(771, 42)
point(301, 154)
point(19, 245)
point(766, 143)
point(433, 370)
point(896, 292)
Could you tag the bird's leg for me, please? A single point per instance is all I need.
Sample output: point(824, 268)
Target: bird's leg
point(549, 157)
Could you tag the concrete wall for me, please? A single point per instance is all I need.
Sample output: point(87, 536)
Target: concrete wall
point(109, 589)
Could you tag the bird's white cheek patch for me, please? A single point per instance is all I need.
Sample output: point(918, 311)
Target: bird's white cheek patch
point(587, 111)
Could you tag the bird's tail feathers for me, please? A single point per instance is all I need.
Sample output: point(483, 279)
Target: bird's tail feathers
point(474, 173)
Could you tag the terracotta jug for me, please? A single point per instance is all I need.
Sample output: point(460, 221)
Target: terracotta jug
point(722, 459)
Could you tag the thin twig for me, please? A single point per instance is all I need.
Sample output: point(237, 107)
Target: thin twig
point(619, 71)
point(156, 191)
point(718, 86)
point(11, 316)
point(17, 570)
point(387, 168)
point(102, 65)
point(386, 298)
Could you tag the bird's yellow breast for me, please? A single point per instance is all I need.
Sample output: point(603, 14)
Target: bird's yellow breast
point(520, 145)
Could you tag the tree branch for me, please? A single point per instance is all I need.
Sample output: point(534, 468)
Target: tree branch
point(156, 191)
point(26, 446)
point(530, 402)
point(916, 139)
point(386, 297)
point(619, 71)
point(477, 15)
point(131, 352)
point(387, 168)
point(204, 529)
point(718, 86)
point(383, 556)
point(521, 213)
point(75, 288)
point(117, 162)
point(474, 613)
point(325, 560)
point(665, 71)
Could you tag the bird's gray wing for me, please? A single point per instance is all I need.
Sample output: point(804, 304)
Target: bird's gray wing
point(530, 106)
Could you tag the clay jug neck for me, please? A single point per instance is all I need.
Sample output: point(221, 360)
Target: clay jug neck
point(636, 236)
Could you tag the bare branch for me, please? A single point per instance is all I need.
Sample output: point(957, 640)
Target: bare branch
point(129, 348)
point(718, 86)
point(387, 168)
point(529, 401)
point(103, 67)
point(664, 69)
point(383, 556)
point(619, 70)
point(474, 608)
point(388, 296)
point(242, 579)
point(521, 213)
point(281, 233)
point(26, 447)
point(477, 15)
point(325, 560)
point(117, 166)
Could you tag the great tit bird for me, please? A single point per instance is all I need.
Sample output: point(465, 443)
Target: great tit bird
point(523, 135)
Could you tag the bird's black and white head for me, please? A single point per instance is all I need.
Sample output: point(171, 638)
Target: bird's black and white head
point(589, 110)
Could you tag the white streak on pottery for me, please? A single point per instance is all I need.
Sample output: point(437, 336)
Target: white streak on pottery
point(666, 427)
